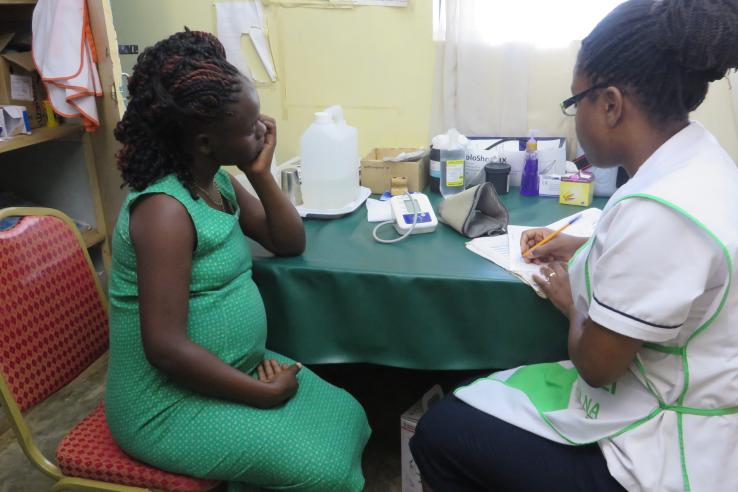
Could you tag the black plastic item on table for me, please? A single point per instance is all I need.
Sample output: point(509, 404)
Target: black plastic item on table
point(498, 173)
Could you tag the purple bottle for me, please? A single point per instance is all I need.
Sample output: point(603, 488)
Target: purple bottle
point(529, 180)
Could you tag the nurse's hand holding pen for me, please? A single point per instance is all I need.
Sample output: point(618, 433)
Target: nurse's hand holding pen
point(560, 248)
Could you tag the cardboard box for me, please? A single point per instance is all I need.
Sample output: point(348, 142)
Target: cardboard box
point(408, 422)
point(483, 150)
point(549, 184)
point(376, 173)
point(13, 121)
point(20, 84)
point(577, 189)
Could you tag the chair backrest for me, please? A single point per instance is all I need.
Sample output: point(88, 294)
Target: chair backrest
point(53, 313)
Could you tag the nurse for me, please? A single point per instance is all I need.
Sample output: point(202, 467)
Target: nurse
point(649, 399)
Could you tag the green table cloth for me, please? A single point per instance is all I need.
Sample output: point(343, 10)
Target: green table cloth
point(424, 303)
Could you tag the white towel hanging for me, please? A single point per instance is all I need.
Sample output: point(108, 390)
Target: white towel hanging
point(64, 54)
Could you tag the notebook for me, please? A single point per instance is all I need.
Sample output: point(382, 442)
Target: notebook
point(504, 250)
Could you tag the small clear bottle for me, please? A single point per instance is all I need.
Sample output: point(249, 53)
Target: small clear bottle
point(452, 165)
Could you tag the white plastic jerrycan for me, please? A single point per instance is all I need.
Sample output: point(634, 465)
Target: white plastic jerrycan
point(329, 156)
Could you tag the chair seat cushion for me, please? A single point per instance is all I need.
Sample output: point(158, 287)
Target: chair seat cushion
point(89, 451)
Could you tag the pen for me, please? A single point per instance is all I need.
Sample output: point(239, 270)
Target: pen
point(552, 235)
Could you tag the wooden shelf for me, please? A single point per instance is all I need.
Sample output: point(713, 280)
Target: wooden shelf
point(92, 237)
point(40, 135)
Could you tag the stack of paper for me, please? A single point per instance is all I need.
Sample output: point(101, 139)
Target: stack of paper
point(504, 250)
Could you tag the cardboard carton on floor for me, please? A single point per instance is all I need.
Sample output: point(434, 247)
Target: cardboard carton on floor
point(20, 84)
point(408, 422)
point(377, 174)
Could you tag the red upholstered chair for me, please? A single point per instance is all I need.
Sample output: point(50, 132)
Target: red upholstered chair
point(53, 325)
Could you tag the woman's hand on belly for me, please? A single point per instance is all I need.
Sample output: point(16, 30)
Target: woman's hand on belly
point(268, 368)
point(281, 380)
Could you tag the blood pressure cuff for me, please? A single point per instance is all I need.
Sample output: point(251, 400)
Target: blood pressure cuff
point(475, 212)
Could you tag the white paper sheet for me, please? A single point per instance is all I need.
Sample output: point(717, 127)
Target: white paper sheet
point(505, 250)
point(235, 19)
point(496, 249)
point(378, 211)
point(21, 88)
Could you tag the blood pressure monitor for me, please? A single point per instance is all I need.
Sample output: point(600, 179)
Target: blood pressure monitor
point(404, 207)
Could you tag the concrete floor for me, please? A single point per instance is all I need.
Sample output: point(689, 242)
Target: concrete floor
point(384, 392)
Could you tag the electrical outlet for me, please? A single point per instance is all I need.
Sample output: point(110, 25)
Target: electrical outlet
point(127, 49)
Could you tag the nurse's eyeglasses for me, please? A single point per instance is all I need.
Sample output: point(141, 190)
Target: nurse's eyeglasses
point(569, 106)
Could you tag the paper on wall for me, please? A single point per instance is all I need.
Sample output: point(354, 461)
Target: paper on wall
point(382, 3)
point(21, 88)
point(235, 19)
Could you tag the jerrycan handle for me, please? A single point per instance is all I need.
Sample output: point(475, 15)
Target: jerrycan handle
point(336, 113)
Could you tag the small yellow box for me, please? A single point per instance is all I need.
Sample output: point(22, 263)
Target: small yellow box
point(577, 189)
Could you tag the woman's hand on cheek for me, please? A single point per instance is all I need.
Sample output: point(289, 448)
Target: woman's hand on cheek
point(263, 162)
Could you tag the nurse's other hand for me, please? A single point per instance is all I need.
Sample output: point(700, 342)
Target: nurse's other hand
point(554, 282)
point(560, 248)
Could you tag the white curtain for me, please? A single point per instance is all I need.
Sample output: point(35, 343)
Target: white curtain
point(496, 57)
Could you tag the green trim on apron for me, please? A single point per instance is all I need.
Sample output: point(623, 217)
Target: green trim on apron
point(682, 455)
point(625, 429)
point(726, 253)
point(664, 349)
point(649, 385)
point(586, 263)
point(706, 412)
point(587, 283)
point(544, 384)
point(579, 250)
point(703, 412)
point(682, 351)
point(558, 375)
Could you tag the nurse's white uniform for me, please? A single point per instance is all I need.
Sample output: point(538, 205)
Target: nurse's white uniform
point(659, 268)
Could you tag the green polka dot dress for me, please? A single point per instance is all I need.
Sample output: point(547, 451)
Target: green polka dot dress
point(312, 442)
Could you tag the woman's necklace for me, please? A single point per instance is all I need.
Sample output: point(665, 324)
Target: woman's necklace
point(217, 202)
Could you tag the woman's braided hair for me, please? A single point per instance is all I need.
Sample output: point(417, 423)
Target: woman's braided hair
point(177, 85)
point(665, 51)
